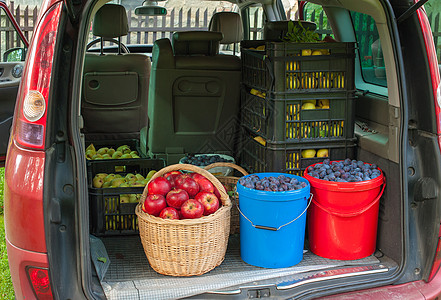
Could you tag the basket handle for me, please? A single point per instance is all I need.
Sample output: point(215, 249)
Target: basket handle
point(275, 228)
point(352, 214)
point(187, 167)
point(222, 164)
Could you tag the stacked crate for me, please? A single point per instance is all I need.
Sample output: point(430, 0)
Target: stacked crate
point(112, 209)
point(278, 81)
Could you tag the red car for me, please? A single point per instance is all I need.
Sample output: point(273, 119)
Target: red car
point(187, 93)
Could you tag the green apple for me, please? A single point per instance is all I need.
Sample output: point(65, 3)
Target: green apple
point(139, 177)
point(111, 151)
point(106, 184)
point(116, 182)
point(116, 154)
point(130, 176)
point(97, 182)
point(102, 150)
point(150, 174)
point(109, 177)
point(101, 175)
point(133, 198)
point(124, 198)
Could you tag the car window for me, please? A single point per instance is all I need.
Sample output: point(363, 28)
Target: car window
point(181, 16)
point(369, 48)
point(12, 47)
point(254, 15)
point(315, 13)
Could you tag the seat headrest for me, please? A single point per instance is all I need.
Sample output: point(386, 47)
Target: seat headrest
point(230, 24)
point(196, 42)
point(110, 21)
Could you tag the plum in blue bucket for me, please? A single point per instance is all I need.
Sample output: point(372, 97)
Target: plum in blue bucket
point(272, 220)
point(281, 183)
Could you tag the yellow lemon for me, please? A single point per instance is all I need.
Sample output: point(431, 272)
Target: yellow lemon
point(322, 153)
point(306, 52)
point(308, 153)
point(292, 65)
point(308, 106)
point(254, 92)
point(260, 48)
point(339, 81)
point(309, 82)
point(323, 102)
point(313, 101)
point(317, 52)
point(292, 82)
point(261, 140)
point(324, 83)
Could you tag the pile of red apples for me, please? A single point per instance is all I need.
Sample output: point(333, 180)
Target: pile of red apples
point(179, 195)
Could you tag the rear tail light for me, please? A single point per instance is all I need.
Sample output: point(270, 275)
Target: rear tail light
point(31, 112)
point(39, 279)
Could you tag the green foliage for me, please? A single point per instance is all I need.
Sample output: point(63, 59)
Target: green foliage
point(299, 34)
point(6, 288)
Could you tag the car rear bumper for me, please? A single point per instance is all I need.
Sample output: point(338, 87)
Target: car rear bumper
point(19, 259)
point(412, 290)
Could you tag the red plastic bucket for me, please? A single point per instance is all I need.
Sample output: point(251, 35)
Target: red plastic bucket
point(343, 217)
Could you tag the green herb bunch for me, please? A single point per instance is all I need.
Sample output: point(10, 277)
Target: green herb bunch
point(299, 34)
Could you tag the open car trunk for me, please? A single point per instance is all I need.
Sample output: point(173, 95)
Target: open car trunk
point(120, 269)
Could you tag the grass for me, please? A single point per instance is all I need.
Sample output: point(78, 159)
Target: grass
point(6, 289)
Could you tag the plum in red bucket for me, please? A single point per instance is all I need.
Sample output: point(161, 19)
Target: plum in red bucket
point(344, 171)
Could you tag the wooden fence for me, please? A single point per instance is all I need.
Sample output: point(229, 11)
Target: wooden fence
point(148, 29)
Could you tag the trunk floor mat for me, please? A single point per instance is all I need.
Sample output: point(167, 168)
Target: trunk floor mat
point(129, 275)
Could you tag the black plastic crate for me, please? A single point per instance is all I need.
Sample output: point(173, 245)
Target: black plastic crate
point(287, 158)
point(298, 67)
point(112, 210)
point(280, 118)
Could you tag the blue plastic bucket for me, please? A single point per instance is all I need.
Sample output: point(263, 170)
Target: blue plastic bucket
point(272, 224)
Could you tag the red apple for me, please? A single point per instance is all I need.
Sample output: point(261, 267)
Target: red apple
point(188, 184)
point(176, 197)
point(153, 204)
point(205, 185)
point(169, 213)
point(171, 176)
point(217, 193)
point(192, 209)
point(197, 176)
point(159, 186)
point(209, 201)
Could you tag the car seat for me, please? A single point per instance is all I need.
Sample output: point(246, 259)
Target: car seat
point(230, 24)
point(193, 97)
point(115, 85)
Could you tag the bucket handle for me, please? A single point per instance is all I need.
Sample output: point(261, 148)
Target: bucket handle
point(274, 228)
point(353, 214)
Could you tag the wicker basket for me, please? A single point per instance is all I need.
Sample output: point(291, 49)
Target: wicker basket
point(230, 183)
point(185, 247)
